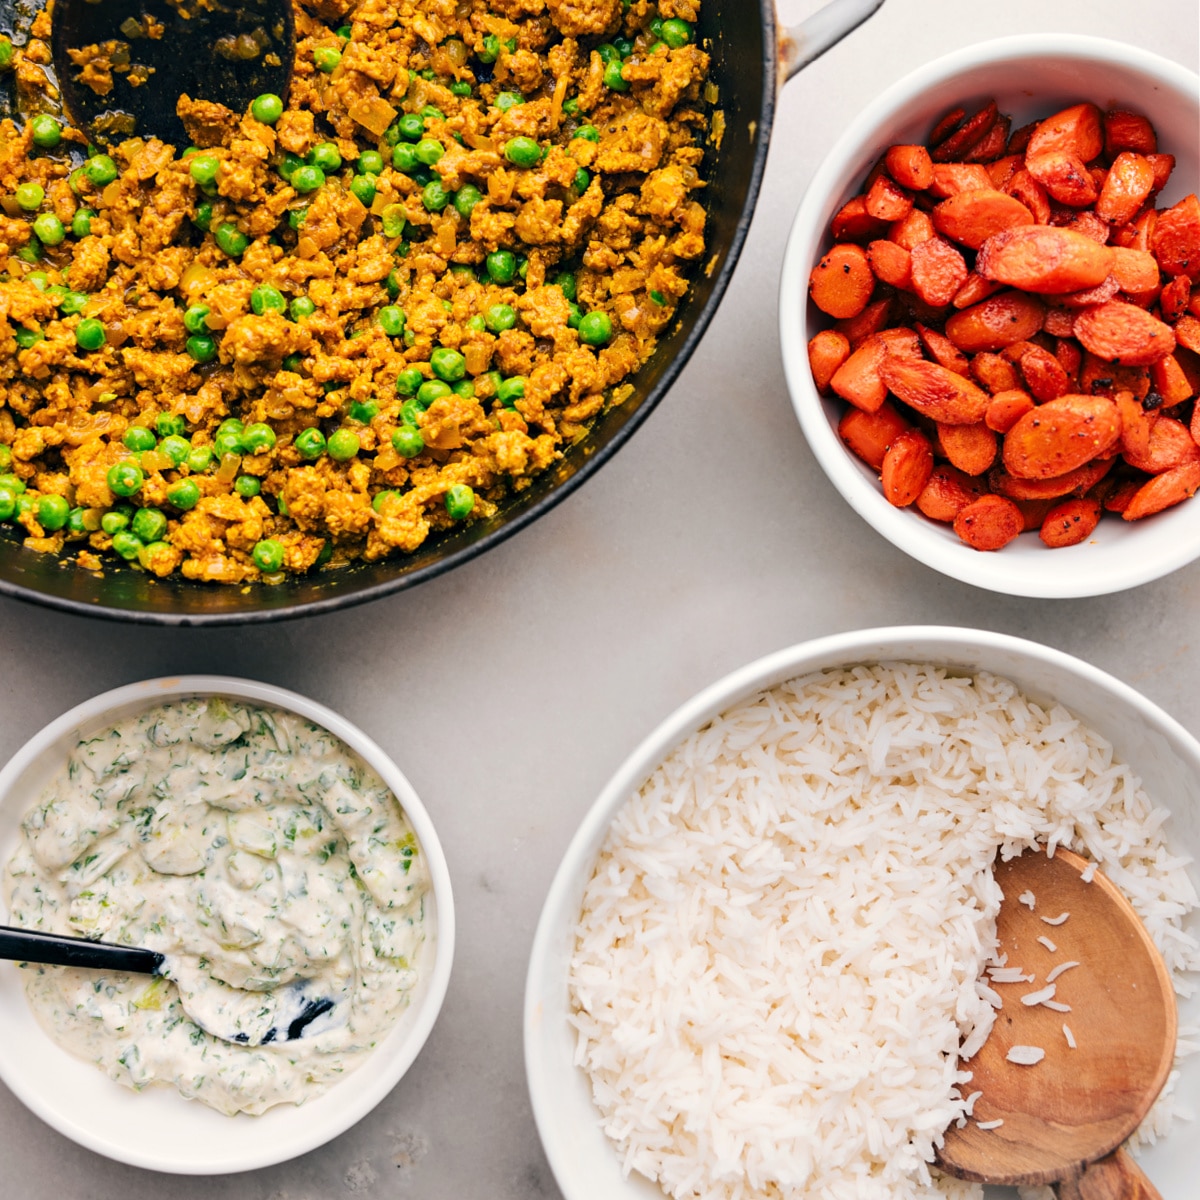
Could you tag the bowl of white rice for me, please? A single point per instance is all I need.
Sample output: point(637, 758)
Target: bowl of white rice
point(768, 943)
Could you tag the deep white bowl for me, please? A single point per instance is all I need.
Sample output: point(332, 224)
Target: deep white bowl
point(157, 1128)
point(1030, 77)
point(1159, 749)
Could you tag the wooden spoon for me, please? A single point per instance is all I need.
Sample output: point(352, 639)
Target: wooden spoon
point(228, 53)
point(1065, 1118)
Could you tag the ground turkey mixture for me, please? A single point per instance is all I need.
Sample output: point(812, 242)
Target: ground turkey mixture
point(328, 329)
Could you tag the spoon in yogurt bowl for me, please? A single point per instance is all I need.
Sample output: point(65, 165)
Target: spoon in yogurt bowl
point(242, 1016)
point(1082, 1046)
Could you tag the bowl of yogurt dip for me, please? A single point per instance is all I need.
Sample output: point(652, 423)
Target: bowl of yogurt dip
point(284, 867)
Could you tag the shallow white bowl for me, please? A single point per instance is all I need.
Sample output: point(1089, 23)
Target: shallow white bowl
point(1160, 750)
point(1030, 77)
point(157, 1128)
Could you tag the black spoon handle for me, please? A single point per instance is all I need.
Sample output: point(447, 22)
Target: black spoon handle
point(28, 945)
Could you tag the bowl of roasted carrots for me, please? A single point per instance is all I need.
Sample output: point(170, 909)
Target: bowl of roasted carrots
point(990, 315)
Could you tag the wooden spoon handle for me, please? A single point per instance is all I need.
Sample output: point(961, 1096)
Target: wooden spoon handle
point(1116, 1177)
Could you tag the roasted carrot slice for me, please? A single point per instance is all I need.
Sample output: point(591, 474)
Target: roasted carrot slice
point(907, 466)
point(887, 200)
point(1163, 491)
point(871, 320)
point(1125, 130)
point(938, 271)
point(858, 380)
point(994, 373)
point(947, 493)
point(1123, 333)
point(996, 322)
point(1169, 445)
point(1059, 436)
point(1001, 170)
point(1065, 177)
point(910, 166)
point(1077, 130)
point(1006, 409)
point(1136, 426)
point(1139, 233)
point(1023, 187)
point(1070, 358)
point(1170, 381)
point(902, 342)
point(943, 351)
point(912, 230)
point(974, 290)
point(989, 523)
point(1135, 271)
point(970, 218)
point(951, 178)
point(1187, 332)
point(1100, 378)
point(992, 145)
point(1071, 483)
point(1173, 300)
point(891, 263)
point(869, 434)
point(1102, 293)
point(854, 224)
point(971, 448)
point(1176, 242)
point(934, 391)
point(973, 129)
point(1163, 165)
point(1044, 374)
point(1038, 258)
point(947, 125)
point(827, 351)
point(1129, 182)
point(1071, 522)
point(841, 283)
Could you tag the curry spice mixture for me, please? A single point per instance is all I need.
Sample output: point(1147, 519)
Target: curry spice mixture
point(328, 329)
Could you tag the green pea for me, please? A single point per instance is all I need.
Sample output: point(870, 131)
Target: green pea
point(125, 478)
point(310, 443)
point(6, 52)
point(31, 253)
point(52, 513)
point(175, 448)
point(49, 229)
point(477, 324)
point(149, 524)
point(460, 500)
point(126, 544)
point(431, 390)
point(567, 284)
point(391, 320)
point(326, 156)
point(589, 133)
point(582, 180)
point(199, 459)
point(411, 127)
point(46, 133)
point(228, 444)
point(464, 387)
point(460, 87)
point(89, 334)
point(307, 178)
point(184, 494)
point(500, 317)
point(300, 308)
point(327, 59)
point(292, 362)
point(343, 444)
point(362, 188)
point(78, 521)
point(268, 555)
point(170, 425)
point(230, 425)
point(39, 279)
point(489, 49)
point(29, 196)
point(258, 438)
point(100, 170)
point(5, 459)
point(381, 498)
point(28, 337)
point(511, 390)
point(81, 222)
point(435, 197)
point(506, 100)
point(267, 299)
point(613, 77)
point(202, 220)
point(296, 217)
point(429, 151)
point(432, 113)
point(8, 503)
point(364, 411)
point(370, 162)
point(448, 365)
point(138, 438)
point(195, 318)
point(267, 108)
point(393, 220)
point(344, 32)
point(247, 486)
point(676, 33)
point(571, 106)
point(116, 519)
point(623, 46)
point(392, 284)
point(658, 297)
point(655, 27)
point(596, 329)
point(575, 317)
point(501, 266)
point(232, 240)
point(203, 168)
point(410, 413)
point(404, 157)
point(408, 381)
point(201, 347)
point(13, 483)
point(522, 152)
point(290, 164)
point(465, 200)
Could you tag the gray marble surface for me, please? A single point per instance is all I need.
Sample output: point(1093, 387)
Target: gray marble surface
point(510, 690)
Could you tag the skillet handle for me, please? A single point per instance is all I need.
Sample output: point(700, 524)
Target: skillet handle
point(806, 42)
point(1116, 1177)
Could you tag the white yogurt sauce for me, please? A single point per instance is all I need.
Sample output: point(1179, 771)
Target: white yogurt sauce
point(264, 859)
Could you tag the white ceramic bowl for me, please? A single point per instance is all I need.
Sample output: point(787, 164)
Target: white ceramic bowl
point(1160, 750)
point(157, 1128)
point(1030, 77)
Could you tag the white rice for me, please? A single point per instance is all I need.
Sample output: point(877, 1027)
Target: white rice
point(777, 959)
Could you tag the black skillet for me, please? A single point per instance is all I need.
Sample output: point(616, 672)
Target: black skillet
point(751, 56)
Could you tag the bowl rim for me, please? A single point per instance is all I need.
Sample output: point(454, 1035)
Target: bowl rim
point(917, 538)
point(357, 1102)
point(934, 644)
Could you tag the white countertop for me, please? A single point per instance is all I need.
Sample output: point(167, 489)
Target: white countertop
point(509, 690)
